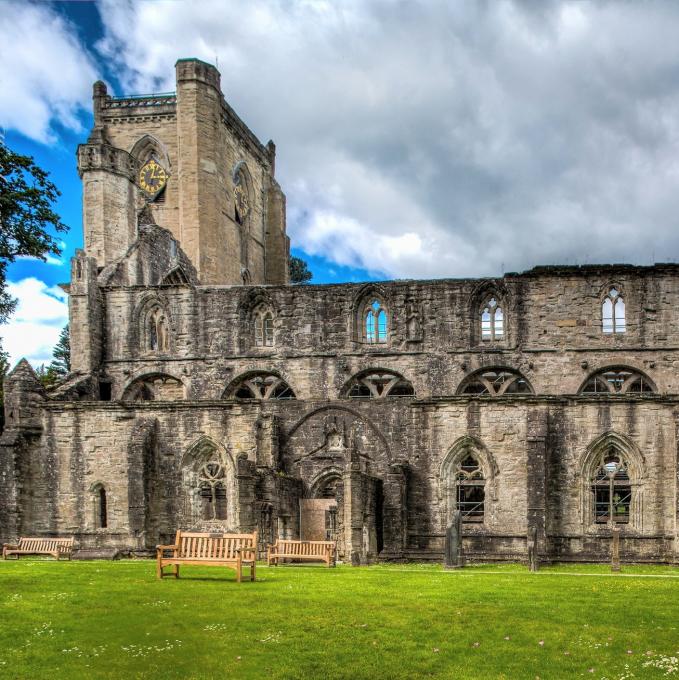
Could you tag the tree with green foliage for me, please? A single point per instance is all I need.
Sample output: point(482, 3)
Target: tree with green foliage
point(299, 271)
point(47, 375)
point(61, 363)
point(26, 216)
point(4, 370)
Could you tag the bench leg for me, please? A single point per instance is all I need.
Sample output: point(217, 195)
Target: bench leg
point(176, 571)
point(159, 569)
point(252, 571)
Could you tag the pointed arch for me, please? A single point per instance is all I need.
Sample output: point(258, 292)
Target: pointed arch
point(627, 473)
point(489, 310)
point(148, 147)
point(321, 479)
point(209, 483)
point(613, 310)
point(154, 326)
point(372, 316)
point(100, 505)
point(467, 481)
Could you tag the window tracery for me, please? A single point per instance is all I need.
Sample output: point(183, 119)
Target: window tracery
point(261, 386)
point(211, 479)
point(613, 312)
point(374, 322)
point(264, 327)
point(611, 489)
point(379, 384)
point(495, 383)
point(492, 320)
point(618, 381)
point(470, 489)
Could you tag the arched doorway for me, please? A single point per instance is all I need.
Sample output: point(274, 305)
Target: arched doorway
point(322, 512)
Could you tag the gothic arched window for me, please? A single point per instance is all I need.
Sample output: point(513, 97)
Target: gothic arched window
point(613, 312)
point(492, 321)
point(470, 492)
point(374, 322)
point(611, 490)
point(241, 194)
point(264, 328)
point(211, 479)
point(158, 331)
point(621, 380)
point(260, 385)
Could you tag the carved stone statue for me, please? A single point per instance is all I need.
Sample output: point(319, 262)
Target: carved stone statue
point(413, 321)
point(453, 543)
point(533, 560)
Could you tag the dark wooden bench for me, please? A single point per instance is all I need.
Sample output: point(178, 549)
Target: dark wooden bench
point(312, 551)
point(56, 547)
point(211, 549)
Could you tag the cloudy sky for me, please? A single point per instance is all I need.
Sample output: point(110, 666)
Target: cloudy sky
point(415, 139)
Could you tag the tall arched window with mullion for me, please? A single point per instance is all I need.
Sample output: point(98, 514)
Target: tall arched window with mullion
point(264, 328)
point(613, 312)
point(375, 323)
point(492, 321)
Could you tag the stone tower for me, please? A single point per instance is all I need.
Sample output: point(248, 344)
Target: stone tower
point(220, 199)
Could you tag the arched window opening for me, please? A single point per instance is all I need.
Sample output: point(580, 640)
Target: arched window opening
point(613, 312)
point(496, 382)
point(158, 332)
point(155, 388)
point(470, 489)
point(611, 490)
point(212, 491)
point(241, 196)
point(261, 386)
point(263, 320)
point(617, 381)
point(100, 507)
point(379, 384)
point(492, 321)
point(375, 323)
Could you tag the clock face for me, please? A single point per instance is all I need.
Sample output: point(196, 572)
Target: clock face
point(152, 178)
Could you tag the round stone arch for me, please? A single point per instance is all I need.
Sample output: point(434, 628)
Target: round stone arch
point(155, 386)
point(207, 452)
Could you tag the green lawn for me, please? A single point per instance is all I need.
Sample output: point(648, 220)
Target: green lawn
point(115, 620)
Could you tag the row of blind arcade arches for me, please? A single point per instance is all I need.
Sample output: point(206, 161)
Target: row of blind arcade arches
point(382, 383)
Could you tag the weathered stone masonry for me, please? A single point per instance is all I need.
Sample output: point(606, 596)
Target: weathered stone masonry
point(207, 392)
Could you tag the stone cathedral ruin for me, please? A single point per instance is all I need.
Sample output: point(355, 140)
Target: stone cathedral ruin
point(207, 392)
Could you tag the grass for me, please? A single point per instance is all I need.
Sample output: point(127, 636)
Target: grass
point(115, 620)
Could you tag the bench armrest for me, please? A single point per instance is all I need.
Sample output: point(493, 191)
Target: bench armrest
point(10, 546)
point(160, 549)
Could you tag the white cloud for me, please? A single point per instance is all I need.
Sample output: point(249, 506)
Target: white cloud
point(438, 138)
point(41, 313)
point(45, 74)
point(49, 259)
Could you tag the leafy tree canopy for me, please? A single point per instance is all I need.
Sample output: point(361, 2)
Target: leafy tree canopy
point(299, 271)
point(26, 216)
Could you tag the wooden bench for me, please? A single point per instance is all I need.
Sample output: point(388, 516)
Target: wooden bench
point(214, 549)
point(57, 547)
point(313, 551)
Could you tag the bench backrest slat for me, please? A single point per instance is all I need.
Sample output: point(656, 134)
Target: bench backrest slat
point(46, 544)
point(207, 546)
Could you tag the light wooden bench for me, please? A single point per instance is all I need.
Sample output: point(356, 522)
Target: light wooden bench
point(57, 547)
point(312, 551)
point(214, 549)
